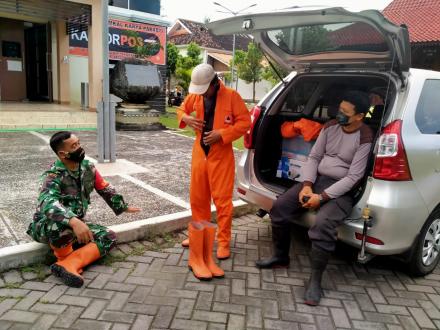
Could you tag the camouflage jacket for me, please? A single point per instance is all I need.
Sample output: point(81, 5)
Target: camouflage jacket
point(65, 194)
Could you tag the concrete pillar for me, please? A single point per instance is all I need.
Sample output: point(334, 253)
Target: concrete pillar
point(95, 54)
point(62, 63)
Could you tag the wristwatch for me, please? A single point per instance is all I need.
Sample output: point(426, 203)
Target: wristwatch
point(321, 199)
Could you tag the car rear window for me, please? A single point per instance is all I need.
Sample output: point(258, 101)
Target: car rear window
point(302, 40)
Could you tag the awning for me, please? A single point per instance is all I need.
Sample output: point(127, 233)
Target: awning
point(76, 15)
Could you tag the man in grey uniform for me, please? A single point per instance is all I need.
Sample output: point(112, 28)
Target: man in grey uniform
point(335, 166)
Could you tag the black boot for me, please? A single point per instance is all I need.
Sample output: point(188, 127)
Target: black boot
point(319, 262)
point(281, 247)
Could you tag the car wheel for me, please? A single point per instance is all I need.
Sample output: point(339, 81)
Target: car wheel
point(426, 254)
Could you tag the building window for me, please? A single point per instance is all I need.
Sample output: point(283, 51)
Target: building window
point(119, 3)
point(150, 6)
point(427, 114)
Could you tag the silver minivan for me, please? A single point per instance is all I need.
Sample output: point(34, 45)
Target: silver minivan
point(327, 52)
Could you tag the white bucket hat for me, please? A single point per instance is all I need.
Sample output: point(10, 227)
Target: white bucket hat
point(201, 77)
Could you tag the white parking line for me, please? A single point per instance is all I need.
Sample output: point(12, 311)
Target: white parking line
point(156, 191)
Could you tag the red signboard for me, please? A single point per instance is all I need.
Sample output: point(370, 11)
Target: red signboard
point(127, 39)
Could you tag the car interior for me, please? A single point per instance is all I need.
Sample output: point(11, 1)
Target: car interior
point(315, 97)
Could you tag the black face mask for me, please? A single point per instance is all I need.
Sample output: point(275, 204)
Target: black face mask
point(77, 155)
point(342, 119)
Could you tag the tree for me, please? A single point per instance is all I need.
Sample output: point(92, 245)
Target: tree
point(249, 67)
point(185, 65)
point(270, 75)
point(172, 57)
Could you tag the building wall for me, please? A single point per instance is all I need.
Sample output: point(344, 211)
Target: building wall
point(12, 83)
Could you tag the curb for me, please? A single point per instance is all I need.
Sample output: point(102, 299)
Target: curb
point(30, 253)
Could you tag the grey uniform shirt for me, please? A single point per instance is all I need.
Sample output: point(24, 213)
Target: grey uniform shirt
point(339, 155)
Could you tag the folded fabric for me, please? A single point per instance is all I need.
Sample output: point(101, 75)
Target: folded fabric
point(309, 129)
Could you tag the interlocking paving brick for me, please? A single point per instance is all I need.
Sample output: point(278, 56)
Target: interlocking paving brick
point(238, 287)
point(236, 322)
point(141, 308)
point(221, 293)
point(254, 317)
point(365, 325)
point(53, 294)
point(270, 309)
point(392, 309)
point(94, 309)
point(100, 294)
point(122, 287)
point(114, 316)
point(140, 294)
point(20, 316)
point(280, 325)
point(140, 269)
point(74, 301)
point(118, 301)
point(380, 317)
point(45, 322)
point(139, 280)
point(90, 325)
point(48, 308)
point(297, 317)
point(7, 304)
point(142, 322)
point(28, 301)
point(13, 293)
point(229, 308)
point(340, 317)
point(185, 308)
point(421, 318)
point(37, 286)
point(353, 309)
point(122, 326)
point(408, 322)
point(164, 317)
point(188, 324)
point(100, 281)
point(204, 301)
point(70, 315)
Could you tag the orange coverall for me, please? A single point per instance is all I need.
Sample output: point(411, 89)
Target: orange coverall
point(213, 175)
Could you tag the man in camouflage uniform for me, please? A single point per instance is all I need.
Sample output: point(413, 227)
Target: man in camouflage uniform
point(62, 205)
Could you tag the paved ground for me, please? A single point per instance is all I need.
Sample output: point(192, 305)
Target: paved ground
point(159, 184)
point(146, 285)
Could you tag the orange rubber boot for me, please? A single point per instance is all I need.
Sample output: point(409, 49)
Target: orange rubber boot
point(68, 269)
point(196, 261)
point(209, 229)
point(223, 252)
point(63, 252)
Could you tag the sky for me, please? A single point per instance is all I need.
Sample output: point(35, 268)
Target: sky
point(198, 10)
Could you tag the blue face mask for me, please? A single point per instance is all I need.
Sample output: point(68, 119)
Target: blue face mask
point(342, 119)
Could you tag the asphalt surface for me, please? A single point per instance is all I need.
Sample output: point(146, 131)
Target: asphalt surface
point(164, 158)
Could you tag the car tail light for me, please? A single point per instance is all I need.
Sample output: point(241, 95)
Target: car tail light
point(241, 191)
point(391, 162)
point(369, 239)
point(248, 137)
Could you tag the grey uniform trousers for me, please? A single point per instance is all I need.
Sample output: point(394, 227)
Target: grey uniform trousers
point(330, 215)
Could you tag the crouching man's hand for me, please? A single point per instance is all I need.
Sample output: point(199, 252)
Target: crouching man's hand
point(81, 231)
point(132, 209)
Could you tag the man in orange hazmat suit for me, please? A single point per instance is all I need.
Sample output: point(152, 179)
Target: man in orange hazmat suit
point(220, 118)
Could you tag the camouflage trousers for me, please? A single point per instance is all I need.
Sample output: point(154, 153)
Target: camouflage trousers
point(59, 235)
